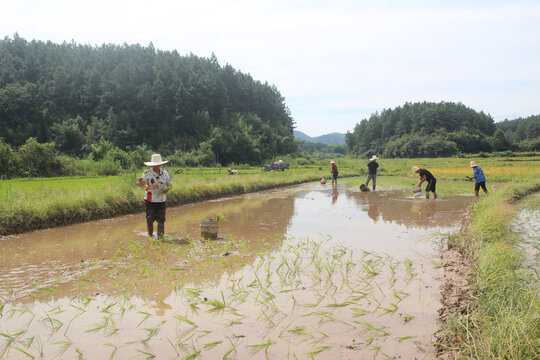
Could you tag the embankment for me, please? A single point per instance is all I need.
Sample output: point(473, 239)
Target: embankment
point(490, 305)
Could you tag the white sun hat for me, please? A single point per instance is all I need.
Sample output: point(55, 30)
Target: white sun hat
point(156, 160)
point(374, 157)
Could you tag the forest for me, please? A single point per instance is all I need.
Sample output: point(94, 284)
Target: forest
point(80, 97)
point(442, 129)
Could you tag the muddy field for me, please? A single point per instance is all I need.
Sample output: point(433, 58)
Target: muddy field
point(310, 271)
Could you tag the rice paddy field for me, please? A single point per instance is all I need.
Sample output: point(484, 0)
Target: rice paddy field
point(305, 272)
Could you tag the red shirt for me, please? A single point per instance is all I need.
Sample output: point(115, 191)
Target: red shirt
point(334, 168)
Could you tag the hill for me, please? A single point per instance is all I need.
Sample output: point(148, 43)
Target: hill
point(425, 130)
point(328, 139)
point(522, 133)
point(80, 96)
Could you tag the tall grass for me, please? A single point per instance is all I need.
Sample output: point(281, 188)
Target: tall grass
point(503, 317)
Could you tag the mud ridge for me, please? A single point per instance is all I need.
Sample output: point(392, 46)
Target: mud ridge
point(455, 291)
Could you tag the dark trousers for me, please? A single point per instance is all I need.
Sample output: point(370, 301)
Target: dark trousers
point(155, 211)
point(478, 185)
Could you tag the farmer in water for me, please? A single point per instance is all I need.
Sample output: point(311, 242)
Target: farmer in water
point(479, 178)
point(426, 176)
point(372, 171)
point(334, 172)
point(157, 183)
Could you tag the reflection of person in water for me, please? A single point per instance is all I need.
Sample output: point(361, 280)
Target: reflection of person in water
point(425, 211)
point(373, 209)
point(335, 194)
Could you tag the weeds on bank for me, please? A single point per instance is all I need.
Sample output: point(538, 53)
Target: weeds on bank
point(503, 317)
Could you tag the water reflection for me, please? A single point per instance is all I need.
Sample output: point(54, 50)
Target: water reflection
point(335, 194)
point(392, 206)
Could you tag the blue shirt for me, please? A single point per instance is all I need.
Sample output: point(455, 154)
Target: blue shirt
point(478, 175)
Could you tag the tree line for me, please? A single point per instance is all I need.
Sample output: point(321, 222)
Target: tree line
point(427, 129)
point(78, 96)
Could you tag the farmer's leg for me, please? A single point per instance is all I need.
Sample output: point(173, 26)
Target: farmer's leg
point(483, 185)
point(160, 217)
point(374, 177)
point(150, 217)
point(476, 188)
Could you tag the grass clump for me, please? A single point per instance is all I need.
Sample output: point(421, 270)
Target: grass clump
point(502, 320)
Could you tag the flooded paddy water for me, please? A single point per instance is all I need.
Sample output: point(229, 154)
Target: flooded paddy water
point(310, 271)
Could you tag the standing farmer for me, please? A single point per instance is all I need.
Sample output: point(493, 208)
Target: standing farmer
point(479, 178)
point(372, 171)
point(334, 172)
point(431, 181)
point(158, 182)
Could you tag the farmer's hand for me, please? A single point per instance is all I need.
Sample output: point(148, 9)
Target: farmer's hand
point(140, 181)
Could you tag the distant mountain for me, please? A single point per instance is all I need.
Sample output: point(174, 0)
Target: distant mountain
point(329, 139)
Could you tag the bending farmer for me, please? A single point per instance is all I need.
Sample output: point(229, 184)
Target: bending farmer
point(431, 181)
point(158, 182)
point(479, 178)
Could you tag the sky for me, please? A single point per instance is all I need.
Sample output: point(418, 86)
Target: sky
point(334, 62)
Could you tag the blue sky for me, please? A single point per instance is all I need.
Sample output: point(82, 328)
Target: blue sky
point(335, 62)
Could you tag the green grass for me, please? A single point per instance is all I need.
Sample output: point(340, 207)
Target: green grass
point(503, 317)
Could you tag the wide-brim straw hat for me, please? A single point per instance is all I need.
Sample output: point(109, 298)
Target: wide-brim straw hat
point(473, 164)
point(155, 160)
point(415, 168)
point(373, 158)
point(332, 162)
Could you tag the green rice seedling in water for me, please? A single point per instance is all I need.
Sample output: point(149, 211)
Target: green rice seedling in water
point(54, 324)
point(370, 327)
point(146, 316)
point(151, 332)
point(186, 320)
point(391, 309)
point(64, 346)
point(10, 339)
point(403, 338)
point(266, 345)
point(300, 330)
point(25, 353)
point(234, 345)
point(147, 355)
point(79, 351)
point(212, 344)
point(407, 317)
point(319, 350)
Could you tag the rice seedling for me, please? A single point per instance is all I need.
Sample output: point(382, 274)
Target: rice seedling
point(64, 346)
point(147, 355)
point(52, 323)
point(367, 326)
point(318, 351)
point(30, 356)
point(266, 345)
point(235, 342)
point(185, 320)
point(406, 317)
point(403, 338)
